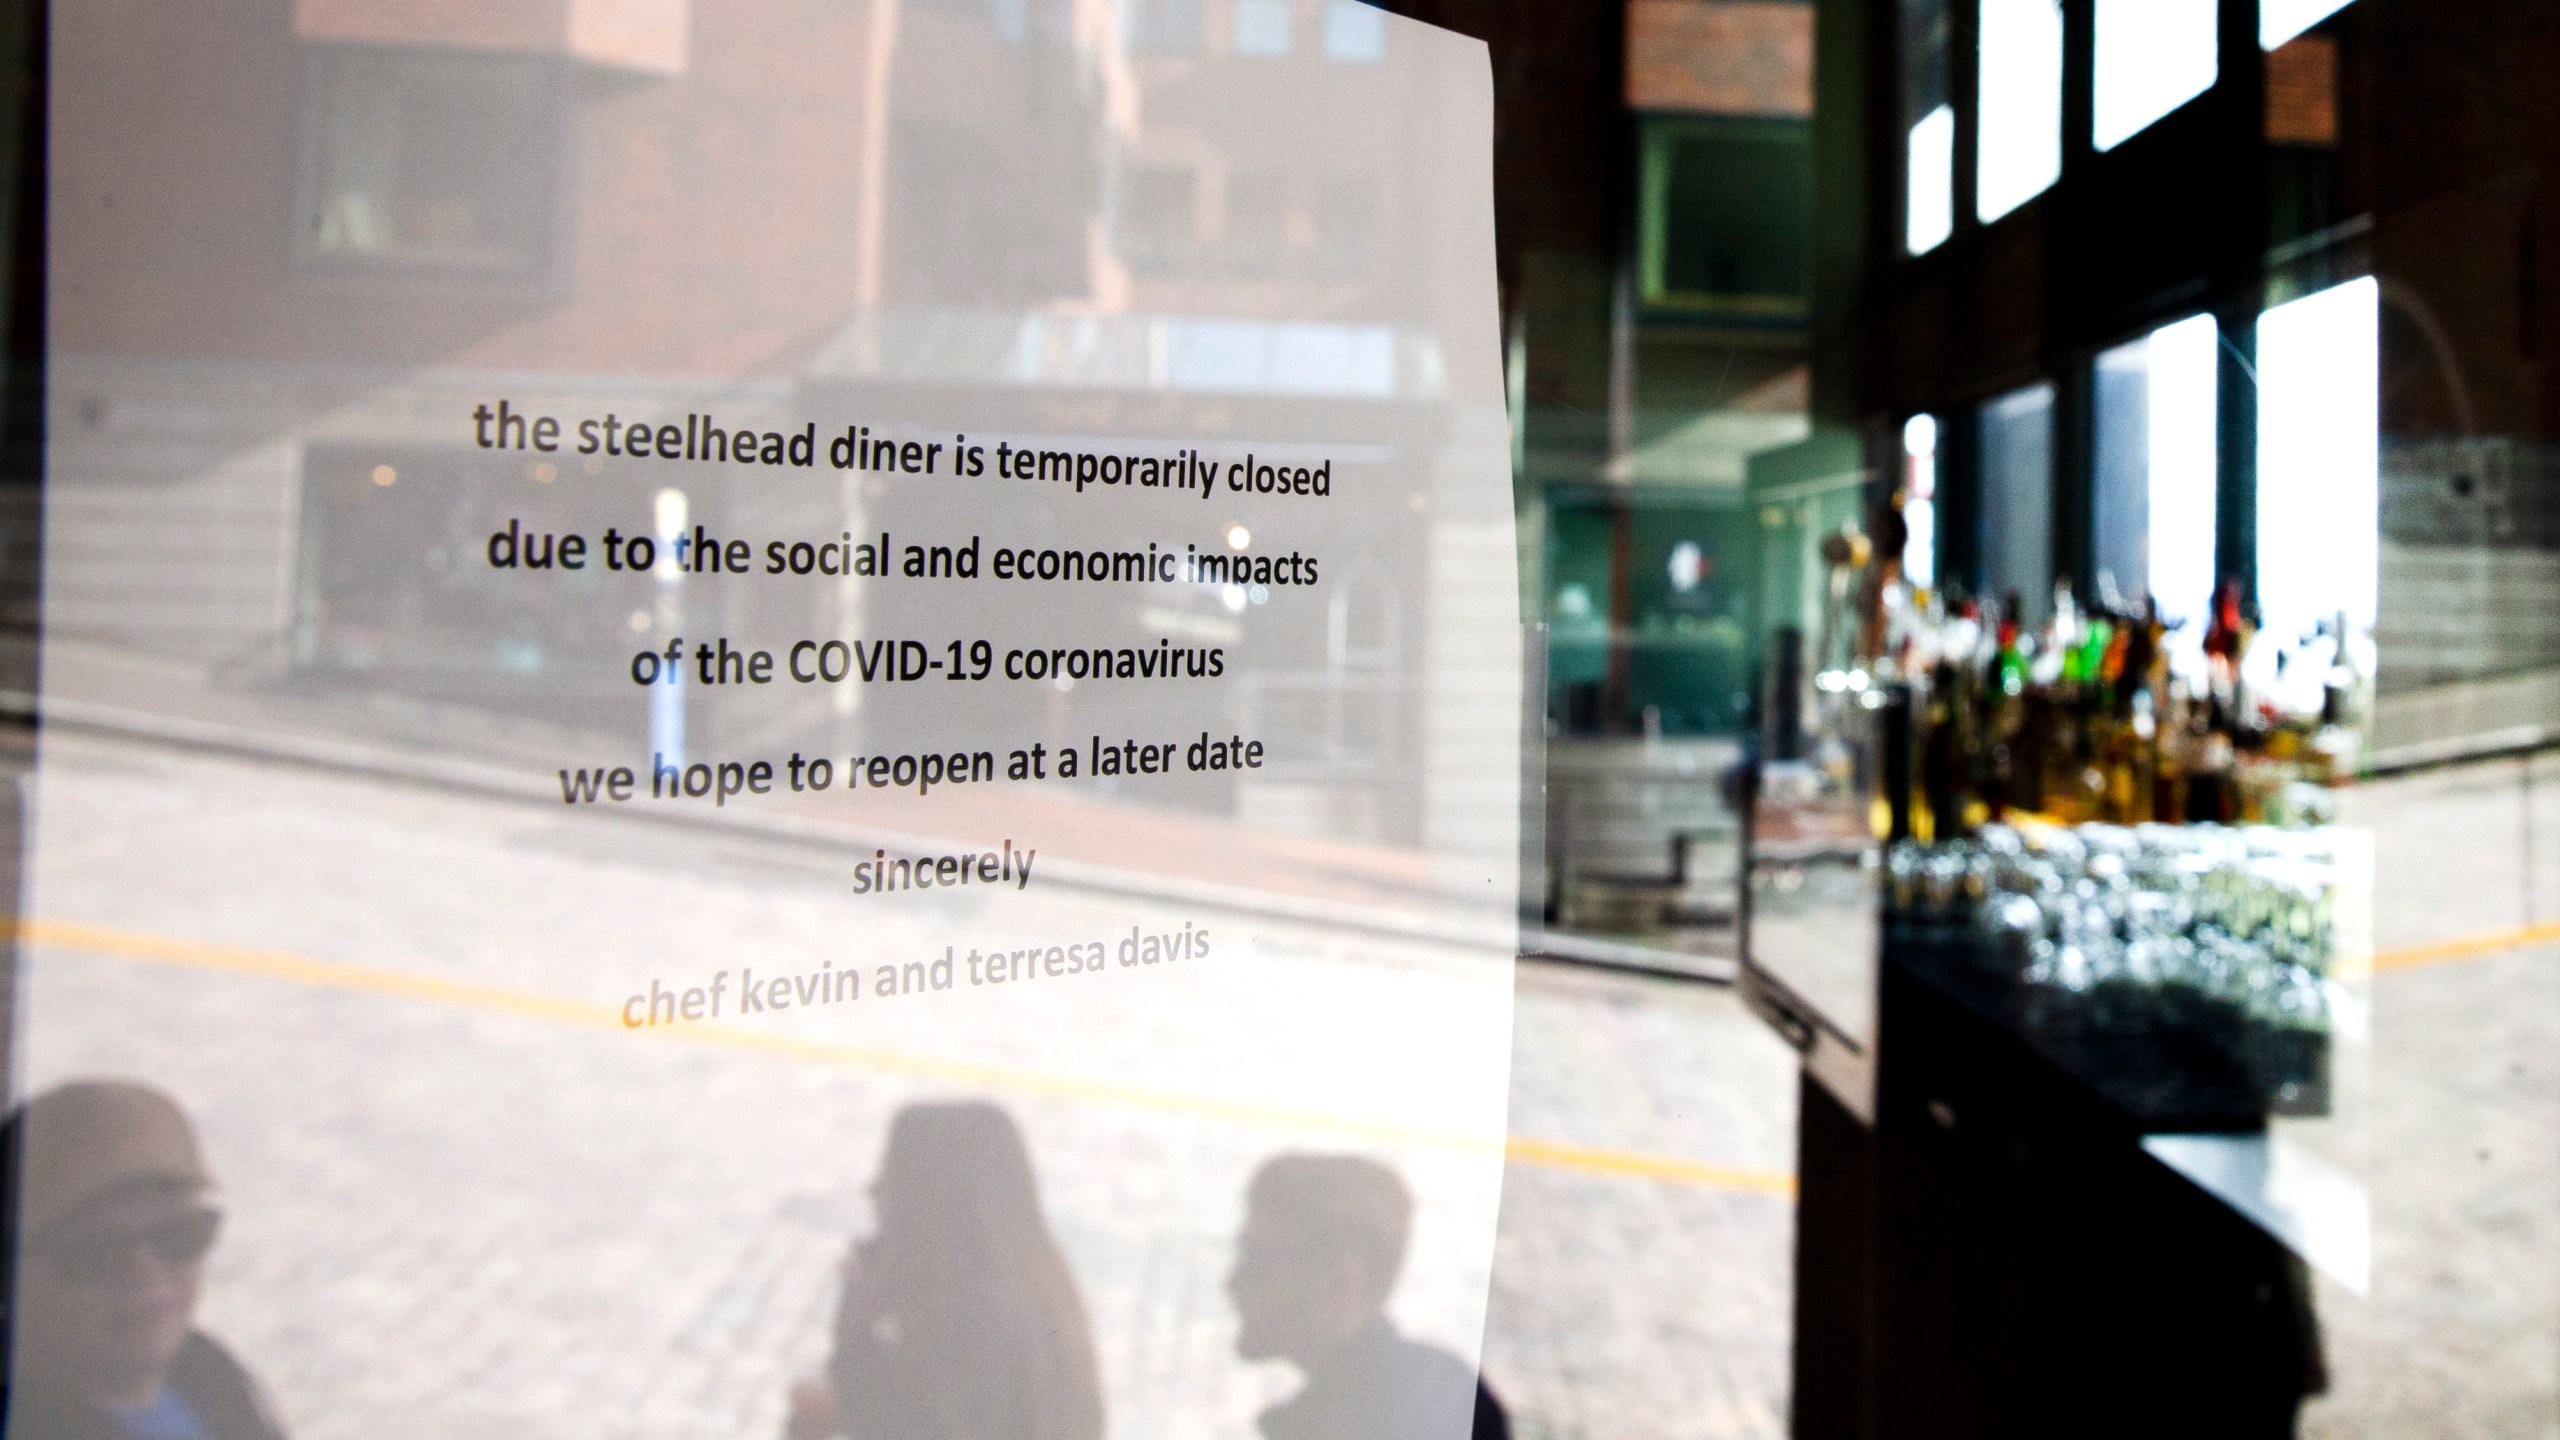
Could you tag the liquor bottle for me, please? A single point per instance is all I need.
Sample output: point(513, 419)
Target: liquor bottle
point(2010, 663)
point(1944, 771)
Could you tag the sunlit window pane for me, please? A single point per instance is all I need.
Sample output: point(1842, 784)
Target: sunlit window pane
point(1932, 204)
point(1354, 33)
point(2021, 104)
point(1928, 125)
point(2281, 20)
point(1261, 28)
point(2319, 448)
point(2157, 473)
point(1920, 500)
point(2153, 56)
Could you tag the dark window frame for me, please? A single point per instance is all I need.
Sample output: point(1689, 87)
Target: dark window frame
point(543, 257)
point(1660, 137)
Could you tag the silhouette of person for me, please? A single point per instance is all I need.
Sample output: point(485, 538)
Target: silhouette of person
point(1324, 1240)
point(116, 1219)
point(959, 1319)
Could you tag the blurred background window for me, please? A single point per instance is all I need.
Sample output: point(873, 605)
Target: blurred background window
point(2281, 20)
point(1261, 29)
point(1929, 123)
point(1727, 213)
point(2319, 459)
point(2157, 475)
point(2017, 500)
point(1257, 222)
point(1346, 226)
point(1158, 219)
point(1920, 500)
point(2019, 104)
point(2152, 57)
point(1354, 33)
point(444, 161)
point(1163, 27)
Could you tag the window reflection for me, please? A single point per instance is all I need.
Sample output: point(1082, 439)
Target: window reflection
point(1929, 121)
point(1727, 211)
point(2152, 57)
point(428, 161)
point(2281, 20)
point(1346, 226)
point(2020, 104)
point(1257, 222)
point(1261, 29)
point(1354, 33)
point(2319, 397)
point(1163, 27)
point(2157, 476)
point(2017, 501)
point(1920, 501)
point(1157, 220)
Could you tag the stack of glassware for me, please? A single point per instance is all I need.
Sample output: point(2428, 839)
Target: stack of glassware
point(2183, 970)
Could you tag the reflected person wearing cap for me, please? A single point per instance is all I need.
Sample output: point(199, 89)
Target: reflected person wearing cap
point(116, 1220)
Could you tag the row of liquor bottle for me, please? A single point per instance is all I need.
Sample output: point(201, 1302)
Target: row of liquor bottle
point(2109, 713)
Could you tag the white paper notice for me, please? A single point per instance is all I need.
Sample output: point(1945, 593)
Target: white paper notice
point(796, 718)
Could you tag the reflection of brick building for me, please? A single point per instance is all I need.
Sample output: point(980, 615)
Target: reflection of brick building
point(893, 209)
point(359, 205)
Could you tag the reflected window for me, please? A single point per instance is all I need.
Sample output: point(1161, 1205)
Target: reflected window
point(1346, 226)
point(2319, 459)
point(1261, 29)
point(1726, 214)
point(1920, 501)
point(1257, 222)
point(1354, 33)
point(1929, 122)
point(428, 161)
point(2281, 20)
point(2019, 105)
point(1157, 220)
point(1163, 27)
point(2152, 57)
point(2158, 409)
point(2017, 501)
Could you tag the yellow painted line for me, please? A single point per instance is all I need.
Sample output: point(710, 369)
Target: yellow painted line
point(2467, 947)
point(1636, 1164)
point(307, 971)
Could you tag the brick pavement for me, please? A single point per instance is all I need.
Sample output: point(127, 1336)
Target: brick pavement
point(455, 1218)
point(2461, 1332)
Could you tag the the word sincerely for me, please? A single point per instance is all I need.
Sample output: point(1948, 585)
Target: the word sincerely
point(885, 874)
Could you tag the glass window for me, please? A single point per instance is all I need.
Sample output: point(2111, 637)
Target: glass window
point(1346, 226)
point(1261, 29)
point(1157, 222)
point(1727, 213)
point(1257, 222)
point(1932, 215)
point(1163, 27)
point(1354, 33)
point(2281, 20)
point(1929, 123)
point(2157, 472)
point(2020, 105)
point(428, 161)
point(2152, 57)
point(1920, 500)
point(2319, 459)
point(2017, 501)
